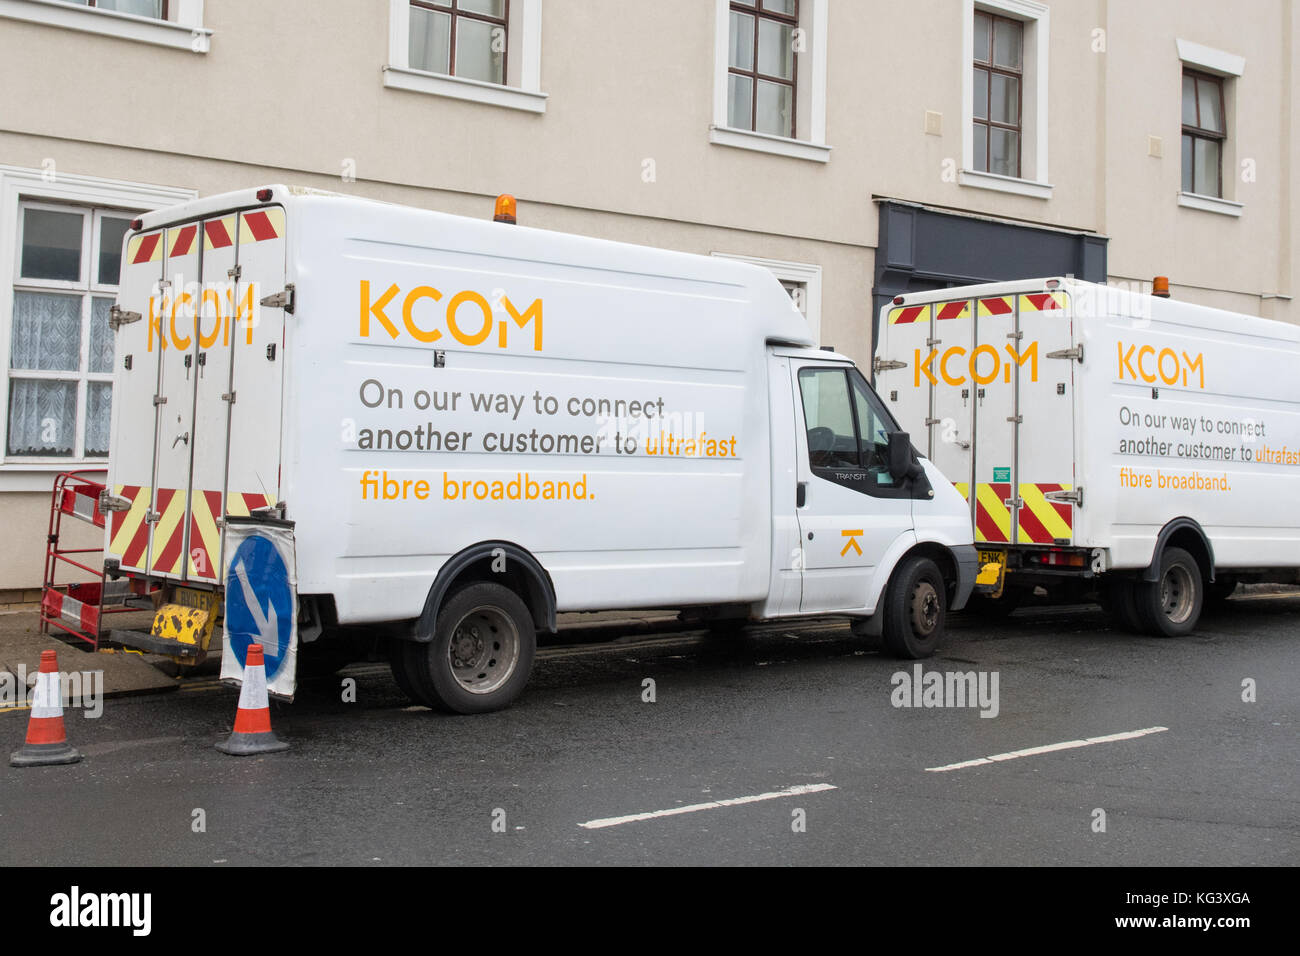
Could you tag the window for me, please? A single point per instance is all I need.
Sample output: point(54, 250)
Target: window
point(465, 38)
point(770, 89)
point(140, 8)
point(172, 23)
point(61, 238)
point(61, 347)
point(848, 430)
point(1203, 134)
point(761, 66)
point(1004, 97)
point(488, 51)
point(802, 280)
point(999, 69)
point(1208, 106)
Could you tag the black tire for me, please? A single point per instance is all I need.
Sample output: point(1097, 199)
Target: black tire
point(492, 657)
point(916, 605)
point(1171, 606)
point(397, 663)
point(1119, 598)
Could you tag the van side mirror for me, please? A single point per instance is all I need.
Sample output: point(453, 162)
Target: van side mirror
point(901, 465)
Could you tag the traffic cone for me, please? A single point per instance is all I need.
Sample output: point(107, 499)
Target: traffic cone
point(47, 741)
point(252, 733)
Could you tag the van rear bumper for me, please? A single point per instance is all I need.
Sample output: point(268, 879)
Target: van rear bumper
point(967, 559)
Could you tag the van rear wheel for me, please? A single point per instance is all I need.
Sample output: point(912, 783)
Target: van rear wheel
point(481, 654)
point(916, 606)
point(1171, 606)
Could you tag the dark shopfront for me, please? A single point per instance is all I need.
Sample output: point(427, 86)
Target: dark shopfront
point(922, 249)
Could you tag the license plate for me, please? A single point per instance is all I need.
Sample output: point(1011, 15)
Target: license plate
point(992, 572)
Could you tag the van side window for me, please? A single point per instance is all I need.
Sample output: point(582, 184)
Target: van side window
point(848, 430)
point(874, 426)
point(828, 413)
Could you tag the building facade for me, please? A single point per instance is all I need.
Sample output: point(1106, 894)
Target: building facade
point(857, 148)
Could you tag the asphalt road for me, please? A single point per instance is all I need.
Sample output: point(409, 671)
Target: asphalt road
point(380, 782)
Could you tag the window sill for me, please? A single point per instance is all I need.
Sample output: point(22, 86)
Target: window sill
point(765, 143)
point(457, 87)
point(35, 475)
point(1005, 184)
point(124, 26)
point(1224, 207)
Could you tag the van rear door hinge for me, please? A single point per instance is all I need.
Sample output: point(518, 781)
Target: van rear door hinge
point(281, 300)
point(109, 502)
point(118, 317)
point(1075, 353)
point(886, 365)
point(228, 397)
point(160, 399)
point(1074, 497)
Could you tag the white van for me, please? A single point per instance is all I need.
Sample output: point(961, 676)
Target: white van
point(338, 414)
point(1131, 446)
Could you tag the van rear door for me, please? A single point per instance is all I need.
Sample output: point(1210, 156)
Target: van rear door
point(137, 347)
point(241, 361)
point(196, 413)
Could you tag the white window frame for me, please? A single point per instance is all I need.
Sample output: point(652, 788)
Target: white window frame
point(810, 91)
point(1229, 66)
point(523, 87)
point(21, 186)
point(1033, 181)
point(809, 275)
point(182, 30)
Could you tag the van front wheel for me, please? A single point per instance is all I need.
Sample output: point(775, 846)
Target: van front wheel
point(481, 654)
point(916, 606)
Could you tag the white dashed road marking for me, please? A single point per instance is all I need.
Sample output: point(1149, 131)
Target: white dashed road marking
point(1048, 748)
point(712, 805)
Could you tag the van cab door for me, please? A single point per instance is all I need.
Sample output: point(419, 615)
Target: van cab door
point(852, 509)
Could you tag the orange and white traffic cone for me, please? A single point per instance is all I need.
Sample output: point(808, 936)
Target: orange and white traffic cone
point(47, 741)
point(252, 733)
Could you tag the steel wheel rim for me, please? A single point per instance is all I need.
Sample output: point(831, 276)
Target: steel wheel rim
point(1176, 594)
point(925, 609)
point(484, 650)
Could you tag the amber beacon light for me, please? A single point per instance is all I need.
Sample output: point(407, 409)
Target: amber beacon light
point(1160, 286)
point(505, 210)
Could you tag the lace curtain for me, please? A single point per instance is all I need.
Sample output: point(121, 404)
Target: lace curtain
point(47, 337)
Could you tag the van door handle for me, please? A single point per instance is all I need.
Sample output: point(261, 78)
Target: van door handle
point(801, 494)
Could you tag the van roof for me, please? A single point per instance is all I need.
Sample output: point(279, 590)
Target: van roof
point(770, 310)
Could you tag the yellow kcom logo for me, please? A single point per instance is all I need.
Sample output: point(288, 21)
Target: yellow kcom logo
point(217, 308)
point(985, 364)
point(467, 316)
point(1143, 364)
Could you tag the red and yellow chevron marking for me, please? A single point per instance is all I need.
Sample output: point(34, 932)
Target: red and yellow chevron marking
point(242, 505)
point(1042, 302)
point(219, 233)
point(144, 248)
point(169, 532)
point(129, 534)
point(997, 305)
point(180, 242)
point(953, 310)
point(1042, 521)
point(906, 315)
point(260, 225)
point(1039, 521)
point(205, 536)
